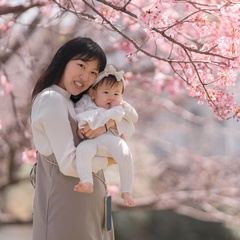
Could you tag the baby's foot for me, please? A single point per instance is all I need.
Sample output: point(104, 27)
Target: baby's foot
point(128, 200)
point(86, 187)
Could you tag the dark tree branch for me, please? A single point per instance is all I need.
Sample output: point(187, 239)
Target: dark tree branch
point(6, 9)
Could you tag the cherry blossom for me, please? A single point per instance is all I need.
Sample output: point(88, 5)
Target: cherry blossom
point(29, 156)
point(194, 45)
point(6, 87)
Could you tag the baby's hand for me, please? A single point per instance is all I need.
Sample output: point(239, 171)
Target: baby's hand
point(123, 137)
point(80, 133)
point(117, 103)
point(114, 104)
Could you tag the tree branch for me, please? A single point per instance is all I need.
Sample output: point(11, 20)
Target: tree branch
point(6, 9)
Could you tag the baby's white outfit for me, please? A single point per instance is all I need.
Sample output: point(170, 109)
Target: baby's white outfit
point(109, 144)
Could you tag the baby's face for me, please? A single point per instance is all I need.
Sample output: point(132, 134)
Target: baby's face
point(107, 96)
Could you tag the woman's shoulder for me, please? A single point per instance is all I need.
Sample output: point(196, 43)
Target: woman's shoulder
point(50, 98)
point(53, 94)
point(49, 103)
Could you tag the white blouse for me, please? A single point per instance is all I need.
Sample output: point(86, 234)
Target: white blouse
point(52, 131)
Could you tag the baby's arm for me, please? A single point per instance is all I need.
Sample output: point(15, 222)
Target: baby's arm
point(125, 127)
point(99, 117)
point(131, 114)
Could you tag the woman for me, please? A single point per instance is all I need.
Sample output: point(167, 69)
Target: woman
point(59, 212)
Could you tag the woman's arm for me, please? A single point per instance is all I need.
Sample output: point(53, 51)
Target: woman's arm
point(52, 132)
point(87, 132)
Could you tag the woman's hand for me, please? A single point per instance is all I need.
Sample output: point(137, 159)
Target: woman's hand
point(111, 161)
point(87, 132)
point(111, 124)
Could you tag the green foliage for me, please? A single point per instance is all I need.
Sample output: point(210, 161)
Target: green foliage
point(142, 224)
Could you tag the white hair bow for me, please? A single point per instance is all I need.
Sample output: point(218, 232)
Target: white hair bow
point(110, 70)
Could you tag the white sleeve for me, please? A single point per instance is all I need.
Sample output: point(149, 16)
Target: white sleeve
point(131, 114)
point(52, 132)
point(98, 117)
point(125, 126)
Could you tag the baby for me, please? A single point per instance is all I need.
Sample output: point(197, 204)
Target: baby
point(104, 102)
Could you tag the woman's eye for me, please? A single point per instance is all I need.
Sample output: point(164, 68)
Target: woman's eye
point(81, 65)
point(94, 73)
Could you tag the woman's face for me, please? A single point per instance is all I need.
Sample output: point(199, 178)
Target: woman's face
point(78, 76)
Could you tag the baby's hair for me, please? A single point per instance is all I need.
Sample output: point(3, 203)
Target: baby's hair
point(110, 81)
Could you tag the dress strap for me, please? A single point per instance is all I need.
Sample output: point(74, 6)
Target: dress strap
point(50, 161)
point(105, 184)
point(33, 172)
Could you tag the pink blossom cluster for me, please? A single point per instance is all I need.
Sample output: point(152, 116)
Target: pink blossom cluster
point(3, 2)
point(113, 190)
point(29, 156)
point(226, 78)
point(194, 46)
point(223, 104)
point(6, 87)
point(110, 14)
point(196, 90)
point(5, 26)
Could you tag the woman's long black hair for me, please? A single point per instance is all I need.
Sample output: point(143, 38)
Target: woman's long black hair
point(78, 48)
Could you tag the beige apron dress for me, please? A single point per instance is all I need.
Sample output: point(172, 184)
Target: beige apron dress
point(62, 214)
